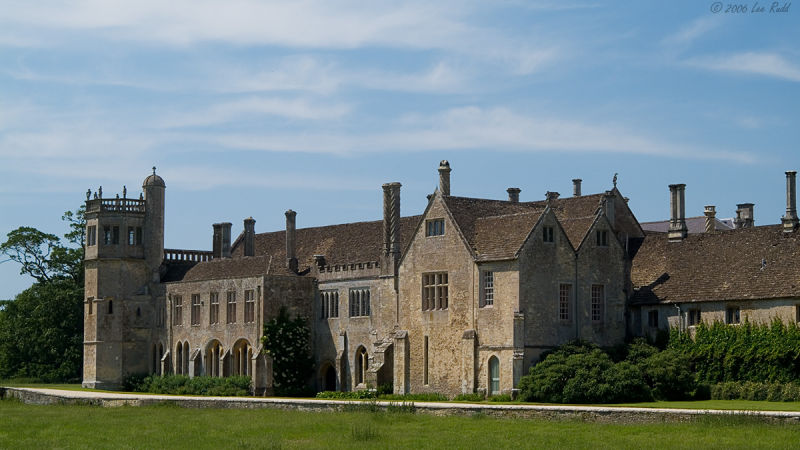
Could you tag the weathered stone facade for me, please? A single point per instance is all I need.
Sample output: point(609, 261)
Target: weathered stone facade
point(463, 298)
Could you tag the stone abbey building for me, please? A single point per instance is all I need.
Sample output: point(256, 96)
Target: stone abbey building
point(462, 298)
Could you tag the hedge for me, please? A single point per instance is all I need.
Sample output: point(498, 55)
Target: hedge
point(764, 353)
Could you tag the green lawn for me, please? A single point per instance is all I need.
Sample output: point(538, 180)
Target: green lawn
point(61, 426)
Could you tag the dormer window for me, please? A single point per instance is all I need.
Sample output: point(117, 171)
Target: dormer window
point(602, 238)
point(547, 234)
point(434, 227)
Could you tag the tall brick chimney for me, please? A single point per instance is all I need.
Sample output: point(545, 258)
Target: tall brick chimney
point(513, 194)
point(789, 220)
point(677, 206)
point(576, 187)
point(744, 216)
point(444, 177)
point(291, 236)
point(711, 218)
point(391, 228)
point(249, 237)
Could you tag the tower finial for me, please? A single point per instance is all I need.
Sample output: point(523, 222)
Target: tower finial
point(154, 170)
point(615, 179)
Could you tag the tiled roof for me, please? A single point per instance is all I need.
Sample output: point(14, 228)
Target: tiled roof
point(724, 265)
point(340, 244)
point(216, 269)
point(693, 224)
point(500, 237)
point(496, 229)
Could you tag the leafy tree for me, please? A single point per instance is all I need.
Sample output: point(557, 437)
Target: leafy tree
point(41, 333)
point(41, 330)
point(287, 341)
point(43, 256)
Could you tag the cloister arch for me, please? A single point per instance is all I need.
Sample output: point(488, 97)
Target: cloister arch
point(213, 353)
point(242, 352)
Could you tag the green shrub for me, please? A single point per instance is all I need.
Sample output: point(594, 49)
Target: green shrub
point(582, 373)
point(350, 395)
point(747, 390)
point(200, 385)
point(423, 397)
point(668, 373)
point(500, 398)
point(472, 397)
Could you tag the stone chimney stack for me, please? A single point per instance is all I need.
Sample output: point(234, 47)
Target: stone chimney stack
point(610, 207)
point(744, 216)
point(444, 177)
point(249, 237)
point(216, 241)
point(576, 187)
point(221, 245)
point(513, 194)
point(224, 239)
point(291, 236)
point(677, 206)
point(391, 227)
point(551, 195)
point(711, 218)
point(790, 221)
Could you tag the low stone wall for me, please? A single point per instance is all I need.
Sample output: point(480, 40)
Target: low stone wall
point(597, 414)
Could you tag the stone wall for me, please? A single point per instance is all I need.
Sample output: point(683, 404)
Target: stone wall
point(443, 328)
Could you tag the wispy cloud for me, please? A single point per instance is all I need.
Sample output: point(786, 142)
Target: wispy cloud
point(685, 36)
point(766, 64)
point(472, 128)
point(250, 108)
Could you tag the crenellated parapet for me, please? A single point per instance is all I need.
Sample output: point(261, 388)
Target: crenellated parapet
point(349, 270)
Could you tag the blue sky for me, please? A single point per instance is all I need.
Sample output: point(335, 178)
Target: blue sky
point(251, 107)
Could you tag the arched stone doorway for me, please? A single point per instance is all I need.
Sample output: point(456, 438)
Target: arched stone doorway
point(328, 377)
point(241, 354)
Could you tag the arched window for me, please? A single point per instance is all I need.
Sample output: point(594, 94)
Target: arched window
point(362, 363)
point(494, 376)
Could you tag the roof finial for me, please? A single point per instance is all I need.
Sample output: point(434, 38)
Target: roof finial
point(615, 180)
point(124, 191)
point(154, 170)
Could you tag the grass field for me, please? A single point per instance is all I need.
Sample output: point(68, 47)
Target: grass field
point(61, 426)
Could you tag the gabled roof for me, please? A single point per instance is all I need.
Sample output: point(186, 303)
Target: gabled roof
point(724, 265)
point(693, 224)
point(496, 229)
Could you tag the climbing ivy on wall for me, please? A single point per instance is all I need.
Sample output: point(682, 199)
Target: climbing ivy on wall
point(768, 352)
point(286, 340)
